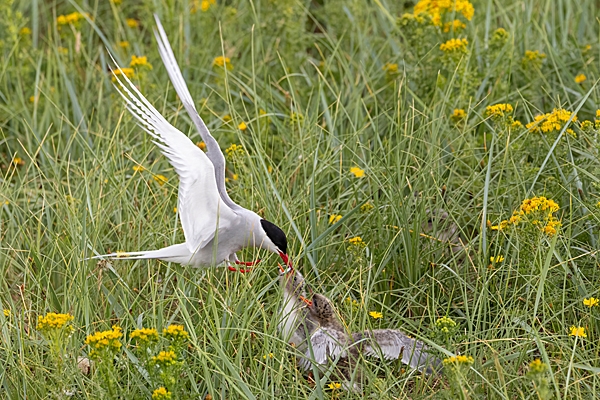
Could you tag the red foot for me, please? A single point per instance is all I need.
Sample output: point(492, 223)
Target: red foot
point(248, 263)
point(241, 270)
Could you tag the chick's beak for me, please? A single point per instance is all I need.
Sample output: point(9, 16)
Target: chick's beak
point(307, 301)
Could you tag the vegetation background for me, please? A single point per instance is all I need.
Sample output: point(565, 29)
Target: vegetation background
point(375, 111)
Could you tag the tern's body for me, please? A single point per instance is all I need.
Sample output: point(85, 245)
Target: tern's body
point(214, 226)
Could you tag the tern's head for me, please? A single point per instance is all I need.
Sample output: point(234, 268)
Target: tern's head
point(277, 242)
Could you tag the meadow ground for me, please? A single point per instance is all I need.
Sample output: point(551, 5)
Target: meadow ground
point(434, 164)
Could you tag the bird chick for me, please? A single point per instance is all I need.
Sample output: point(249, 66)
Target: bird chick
point(294, 327)
point(330, 342)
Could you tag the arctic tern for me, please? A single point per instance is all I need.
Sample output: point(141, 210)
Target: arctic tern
point(215, 227)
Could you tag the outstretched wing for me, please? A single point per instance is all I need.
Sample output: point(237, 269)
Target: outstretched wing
point(213, 151)
point(392, 344)
point(324, 345)
point(201, 209)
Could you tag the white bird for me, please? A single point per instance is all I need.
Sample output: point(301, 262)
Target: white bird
point(215, 227)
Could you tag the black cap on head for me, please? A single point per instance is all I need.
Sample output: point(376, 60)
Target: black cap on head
point(275, 234)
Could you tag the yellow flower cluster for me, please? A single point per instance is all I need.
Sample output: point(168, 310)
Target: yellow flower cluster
point(235, 150)
point(578, 331)
point(357, 172)
point(105, 340)
point(454, 26)
point(367, 207)
point(145, 335)
point(497, 259)
point(160, 179)
point(445, 325)
point(141, 61)
point(458, 115)
point(533, 59)
point(541, 212)
point(458, 360)
point(161, 394)
point(53, 321)
point(498, 110)
point(175, 332)
point(132, 23)
point(164, 358)
point(128, 72)
point(551, 122)
point(591, 302)
point(537, 367)
point(580, 78)
point(454, 45)
point(333, 218)
point(68, 19)
point(438, 8)
point(221, 62)
point(376, 314)
point(334, 385)
point(390, 69)
point(203, 5)
point(356, 241)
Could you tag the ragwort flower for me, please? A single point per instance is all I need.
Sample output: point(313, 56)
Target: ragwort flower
point(105, 343)
point(221, 62)
point(141, 61)
point(578, 331)
point(591, 302)
point(455, 45)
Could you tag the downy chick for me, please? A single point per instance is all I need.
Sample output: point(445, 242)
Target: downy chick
point(294, 327)
point(330, 341)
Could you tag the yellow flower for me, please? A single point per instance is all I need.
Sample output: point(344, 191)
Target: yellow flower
point(235, 150)
point(533, 59)
point(123, 44)
point(578, 331)
point(534, 55)
point(221, 62)
point(72, 18)
point(63, 50)
point(356, 240)
point(458, 115)
point(128, 72)
point(376, 314)
point(537, 367)
point(161, 394)
point(53, 321)
point(132, 23)
point(175, 332)
point(105, 341)
point(333, 218)
point(270, 355)
point(436, 8)
point(141, 61)
point(455, 26)
point(580, 78)
point(334, 385)
point(235, 177)
point(138, 168)
point(551, 122)
point(18, 161)
point(201, 145)
point(367, 207)
point(454, 45)
point(242, 126)
point(357, 172)
point(145, 335)
point(497, 259)
point(175, 210)
point(390, 68)
point(164, 358)
point(160, 179)
point(460, 359)
point(597, 113)
point(25, 31)
point(591, 302)
point(6, 313)
point(498, 110)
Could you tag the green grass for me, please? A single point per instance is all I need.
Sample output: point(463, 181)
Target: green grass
point(308, 79)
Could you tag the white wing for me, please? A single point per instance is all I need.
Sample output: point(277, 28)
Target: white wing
point(393, 344)
point(213, 151)
point(325, 345)
point(201, 209)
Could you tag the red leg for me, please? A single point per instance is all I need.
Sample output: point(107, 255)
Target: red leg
point(248, 263)
point(232, 269)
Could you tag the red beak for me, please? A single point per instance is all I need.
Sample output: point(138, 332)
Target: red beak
point(286, 259)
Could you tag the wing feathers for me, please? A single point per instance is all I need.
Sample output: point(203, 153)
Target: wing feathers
point(202, 211)
point(213, 151)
